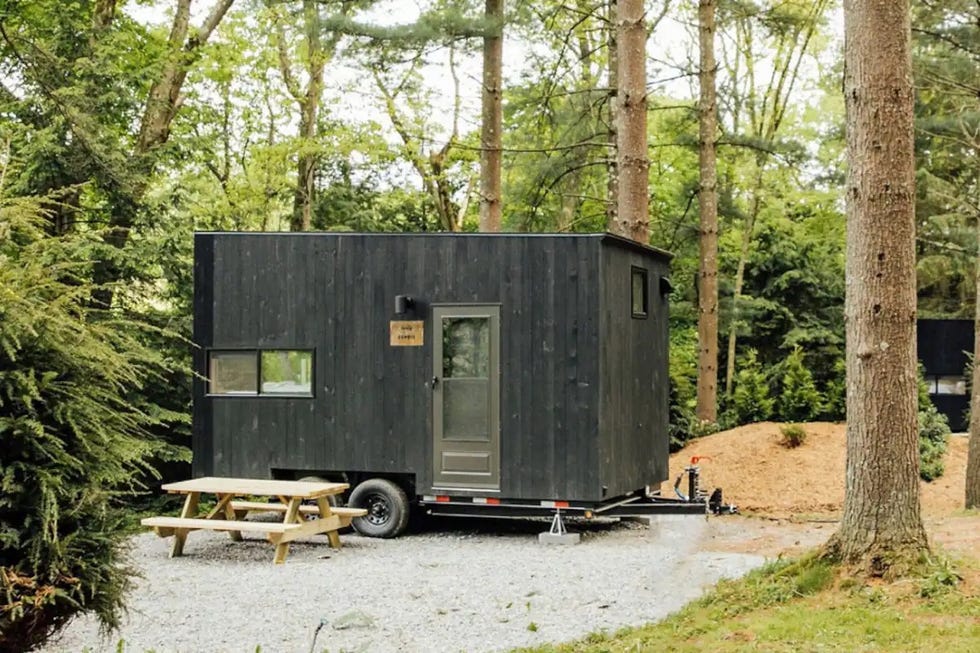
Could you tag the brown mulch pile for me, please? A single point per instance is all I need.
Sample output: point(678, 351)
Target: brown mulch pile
point(760, 475)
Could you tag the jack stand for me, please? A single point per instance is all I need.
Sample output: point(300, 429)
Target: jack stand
point(558, 534)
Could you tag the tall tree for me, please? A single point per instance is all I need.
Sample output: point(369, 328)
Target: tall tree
point(315, 52)
point(491, 213)
point(757, 111)
point(881, 528)
point(163, 101)
point(612, 67)
point(707, 401)
point(633, 162)
point(973, 455)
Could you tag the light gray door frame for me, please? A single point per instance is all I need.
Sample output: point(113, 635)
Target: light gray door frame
point(466, 397)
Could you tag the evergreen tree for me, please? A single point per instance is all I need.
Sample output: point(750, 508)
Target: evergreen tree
point(751, 400)
point(72, 437)
point(799, 401)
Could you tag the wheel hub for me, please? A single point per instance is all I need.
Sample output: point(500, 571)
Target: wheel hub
point(379, 512)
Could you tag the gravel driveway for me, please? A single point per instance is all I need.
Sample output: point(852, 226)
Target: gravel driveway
point(472, 585)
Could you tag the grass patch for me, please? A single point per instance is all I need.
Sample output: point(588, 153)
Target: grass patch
point(810, 605)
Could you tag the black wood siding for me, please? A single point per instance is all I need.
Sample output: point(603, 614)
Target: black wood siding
point(371, 410)
point(633, 417)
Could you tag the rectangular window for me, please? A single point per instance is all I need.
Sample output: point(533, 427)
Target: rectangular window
point(950, 385)
point(282, 372)
point(639, 285)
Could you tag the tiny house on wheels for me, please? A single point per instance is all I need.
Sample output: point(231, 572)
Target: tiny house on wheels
point(454, 373)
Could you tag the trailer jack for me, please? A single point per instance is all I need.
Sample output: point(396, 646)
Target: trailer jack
point(716, 502)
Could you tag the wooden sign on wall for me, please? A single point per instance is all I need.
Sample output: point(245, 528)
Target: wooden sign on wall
point(406, 333)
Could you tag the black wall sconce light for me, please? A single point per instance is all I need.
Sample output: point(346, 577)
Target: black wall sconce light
point(666, 287)
point(403, 303)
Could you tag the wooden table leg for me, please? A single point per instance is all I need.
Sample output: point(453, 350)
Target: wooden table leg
point(180, 535)
point(333, 536)
point(230, 514)
point(292, 514)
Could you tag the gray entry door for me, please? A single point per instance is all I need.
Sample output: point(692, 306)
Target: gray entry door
point(466, 397)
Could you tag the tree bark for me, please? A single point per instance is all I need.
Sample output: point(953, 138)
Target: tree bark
point(881, 530)
point(707, 396)
point(633, 219)
point(973, 455)
point(491, 210)
point(612, 171)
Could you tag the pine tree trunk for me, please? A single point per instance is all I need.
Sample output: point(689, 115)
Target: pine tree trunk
point(633, 162)
point(491, 210)
point(881, 529)
point(973, 456)
point(707, 399)
point(612, 172)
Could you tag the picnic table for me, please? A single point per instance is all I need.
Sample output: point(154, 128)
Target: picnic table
point(234, 502)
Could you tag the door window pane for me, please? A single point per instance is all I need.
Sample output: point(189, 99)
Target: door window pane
point(466, 378)
point(288, 372)
point(466, 409)
point(232, 373)
point(465, 347)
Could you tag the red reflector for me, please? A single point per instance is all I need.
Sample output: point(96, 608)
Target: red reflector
point(442, 499)
point(561, 504)
point(493, 502)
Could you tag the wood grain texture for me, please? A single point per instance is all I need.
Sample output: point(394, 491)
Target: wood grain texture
point(371, 410)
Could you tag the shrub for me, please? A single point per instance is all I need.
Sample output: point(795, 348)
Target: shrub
point(793, 435)
point(835, 392)
point(71, 438)
point(751, 400)
point(933, 441)
point(799, 401)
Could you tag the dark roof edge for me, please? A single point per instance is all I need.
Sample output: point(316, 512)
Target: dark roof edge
point(604, 236)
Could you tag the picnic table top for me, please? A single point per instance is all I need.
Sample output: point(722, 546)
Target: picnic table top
point(257, 487)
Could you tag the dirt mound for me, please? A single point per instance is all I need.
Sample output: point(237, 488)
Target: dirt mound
point(760, 475)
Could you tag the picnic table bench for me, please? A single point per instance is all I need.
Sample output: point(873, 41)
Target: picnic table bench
point(299, 519)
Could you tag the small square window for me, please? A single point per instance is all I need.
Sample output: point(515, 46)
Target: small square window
point(233, 373)
point(639, 292)
point(287, 372)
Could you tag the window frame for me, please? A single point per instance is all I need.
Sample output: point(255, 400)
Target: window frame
point(257, 358)
point(644, 274)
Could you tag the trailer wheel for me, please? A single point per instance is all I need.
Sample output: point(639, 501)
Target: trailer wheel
point(387, 506)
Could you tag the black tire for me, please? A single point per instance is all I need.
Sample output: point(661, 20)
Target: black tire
point(387, 506)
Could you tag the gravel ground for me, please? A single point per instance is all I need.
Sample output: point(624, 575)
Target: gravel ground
point(472, 585)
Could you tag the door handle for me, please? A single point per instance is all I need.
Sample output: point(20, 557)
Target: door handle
point(435, 380)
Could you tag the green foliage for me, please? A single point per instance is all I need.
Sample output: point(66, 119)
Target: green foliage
point(684, 424)
point(835, 392)
point(933, 433)
point(794, 435)
point(941, 578)
point(72, 438)
point(751, 399)
point(799, 400)
point(933, 441)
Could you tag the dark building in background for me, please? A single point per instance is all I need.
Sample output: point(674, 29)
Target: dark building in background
point(943, 347)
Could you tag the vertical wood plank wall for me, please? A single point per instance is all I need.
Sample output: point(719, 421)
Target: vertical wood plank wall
point(371, 410)
point(634, 398)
